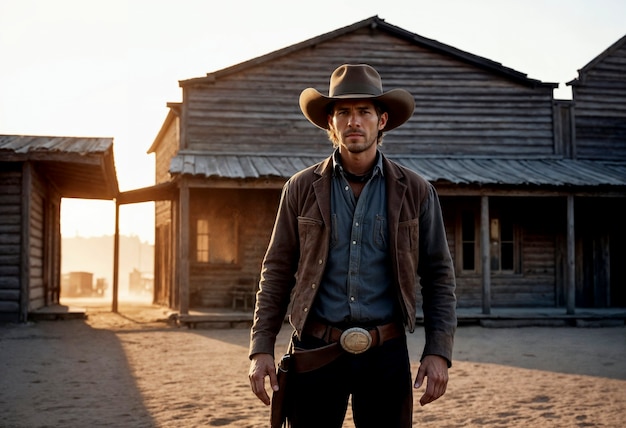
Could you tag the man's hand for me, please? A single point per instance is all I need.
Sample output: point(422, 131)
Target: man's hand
point(435, 368)
point(262, 365)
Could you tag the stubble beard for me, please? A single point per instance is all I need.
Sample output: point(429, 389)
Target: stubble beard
point(357, 147)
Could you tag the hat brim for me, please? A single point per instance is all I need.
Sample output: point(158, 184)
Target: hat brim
point(398, 103)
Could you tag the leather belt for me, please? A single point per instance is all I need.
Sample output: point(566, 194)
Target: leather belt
point(356, 339)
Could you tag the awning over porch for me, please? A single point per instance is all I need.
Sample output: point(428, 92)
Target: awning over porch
point(79, 167)
point(456, 170)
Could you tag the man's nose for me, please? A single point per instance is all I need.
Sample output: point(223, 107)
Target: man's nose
point(353, 121)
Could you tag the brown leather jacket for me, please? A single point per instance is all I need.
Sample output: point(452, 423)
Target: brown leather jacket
point(297, 253)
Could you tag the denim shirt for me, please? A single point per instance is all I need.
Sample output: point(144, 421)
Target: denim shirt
point(356, 287)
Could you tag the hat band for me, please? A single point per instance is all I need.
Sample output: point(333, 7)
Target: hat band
point(347, 88)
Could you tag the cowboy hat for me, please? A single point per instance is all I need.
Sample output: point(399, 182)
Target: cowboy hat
point(357, 81)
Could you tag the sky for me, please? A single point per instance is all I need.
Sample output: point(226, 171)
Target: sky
point(96, 68)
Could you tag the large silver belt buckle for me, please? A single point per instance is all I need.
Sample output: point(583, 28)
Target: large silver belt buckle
point(356, 340)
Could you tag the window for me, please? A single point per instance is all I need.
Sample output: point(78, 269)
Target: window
point(502, 245)
point(217, 239)
point(202, 241)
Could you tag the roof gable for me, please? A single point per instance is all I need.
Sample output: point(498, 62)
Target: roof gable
point(611, 51)
point(376, 23)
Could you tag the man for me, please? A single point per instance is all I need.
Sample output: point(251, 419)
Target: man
point(352, 235)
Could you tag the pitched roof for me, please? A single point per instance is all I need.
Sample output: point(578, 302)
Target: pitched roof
point(477, 169)
point(582, 73)
point(79, 167)
point(380, 24)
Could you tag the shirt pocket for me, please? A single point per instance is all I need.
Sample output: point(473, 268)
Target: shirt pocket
point(380, 232)
point(334, 231)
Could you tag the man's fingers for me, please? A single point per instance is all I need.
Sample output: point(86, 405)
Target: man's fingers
point(262, 365)
point(435, 370)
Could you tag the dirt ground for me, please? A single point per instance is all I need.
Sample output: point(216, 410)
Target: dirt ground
point(130, 370)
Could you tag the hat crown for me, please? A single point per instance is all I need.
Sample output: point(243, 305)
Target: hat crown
point(360, 79)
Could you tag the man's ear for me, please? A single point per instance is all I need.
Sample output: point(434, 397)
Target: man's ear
point(382, 122)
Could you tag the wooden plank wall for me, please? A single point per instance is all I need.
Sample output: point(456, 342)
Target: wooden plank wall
point(36, 251)
point(536, 282)
point(210, 285)
point(10, 242)
point(601, 109)
point(164, 238)
point(460, 109)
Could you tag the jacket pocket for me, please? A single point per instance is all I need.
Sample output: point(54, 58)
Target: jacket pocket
point(408, 235)
point(308, 232)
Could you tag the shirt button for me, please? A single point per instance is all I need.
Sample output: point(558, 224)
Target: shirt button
point(356, 224)
point(346, 188)
point(353, 242)
point(352, 298)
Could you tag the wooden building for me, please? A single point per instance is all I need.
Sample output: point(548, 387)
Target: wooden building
point(35, 173)
point(520, 191)
point(599, 119)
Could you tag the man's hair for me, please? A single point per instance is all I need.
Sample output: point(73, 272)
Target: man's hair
point(332, 136)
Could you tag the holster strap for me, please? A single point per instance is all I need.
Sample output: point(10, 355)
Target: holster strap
point(306, 360)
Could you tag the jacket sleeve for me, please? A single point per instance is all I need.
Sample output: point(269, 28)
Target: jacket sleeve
point(436, 273)
point(277, 278)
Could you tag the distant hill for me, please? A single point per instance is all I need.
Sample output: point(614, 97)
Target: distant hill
point(95, 255)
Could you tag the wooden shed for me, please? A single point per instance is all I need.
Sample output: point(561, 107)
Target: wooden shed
point(518, 198)
point(35, 173)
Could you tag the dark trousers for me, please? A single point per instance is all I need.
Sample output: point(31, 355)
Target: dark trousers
point(379, 381)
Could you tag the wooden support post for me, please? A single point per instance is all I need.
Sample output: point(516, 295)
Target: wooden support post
point(485, 254)
point(570, 276)
point(116, 259)
point(183, 246)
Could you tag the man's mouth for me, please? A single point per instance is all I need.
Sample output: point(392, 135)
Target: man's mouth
point(353, 134)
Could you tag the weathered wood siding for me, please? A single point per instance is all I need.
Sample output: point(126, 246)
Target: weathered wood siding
point(167, 148)
point(164, 241)
point(535, 283)
point(37, 237)
point(10, 240)
point(210, 285)
point(460, 108)
point(600, 99)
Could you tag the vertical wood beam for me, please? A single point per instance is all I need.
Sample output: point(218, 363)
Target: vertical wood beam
point(116, 259)
point(183, 272)
point(484, 253)
point(570, 275)
point(27, 186)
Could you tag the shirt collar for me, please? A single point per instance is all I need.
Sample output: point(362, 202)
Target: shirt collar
point(338, 168)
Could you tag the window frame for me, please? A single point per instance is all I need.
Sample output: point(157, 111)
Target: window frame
point(217, 223)
point(515, 242)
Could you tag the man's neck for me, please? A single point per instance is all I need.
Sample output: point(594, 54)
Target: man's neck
point(358, 163)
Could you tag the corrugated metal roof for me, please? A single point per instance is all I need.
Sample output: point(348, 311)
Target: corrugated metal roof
point(33, 143)
point(79, 167)
point(240, 166)
point(483, 171)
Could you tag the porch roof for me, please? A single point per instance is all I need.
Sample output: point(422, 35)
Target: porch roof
point(79, 167)
point(455, 170)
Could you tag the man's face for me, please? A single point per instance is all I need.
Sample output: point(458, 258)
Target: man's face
point(356, 124)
